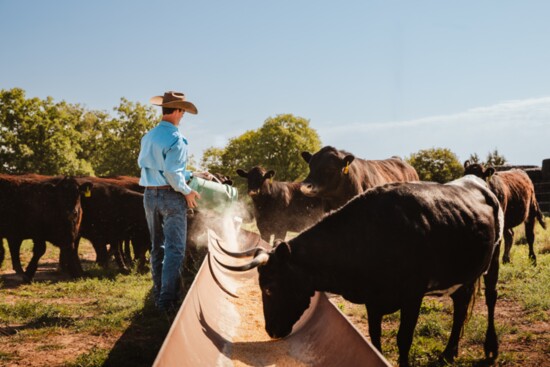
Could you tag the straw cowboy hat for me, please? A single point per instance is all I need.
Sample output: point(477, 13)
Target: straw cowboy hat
point(174, 100)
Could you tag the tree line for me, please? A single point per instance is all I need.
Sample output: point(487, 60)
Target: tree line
point(47, 137)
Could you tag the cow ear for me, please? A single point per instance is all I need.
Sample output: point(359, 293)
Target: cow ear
point(307, 156)
point(86, 188)
point(269, 174)
point(348, 159)
point(466, 163)
point(242, 173)
point(489, 172)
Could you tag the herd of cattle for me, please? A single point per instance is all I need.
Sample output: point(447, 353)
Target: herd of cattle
point(370, 231)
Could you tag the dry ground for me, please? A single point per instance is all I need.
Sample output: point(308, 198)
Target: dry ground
point(524, 336)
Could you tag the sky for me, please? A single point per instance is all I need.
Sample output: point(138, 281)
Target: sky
point(376, 78)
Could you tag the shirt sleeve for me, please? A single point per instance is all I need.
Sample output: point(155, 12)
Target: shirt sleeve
point(175, 164)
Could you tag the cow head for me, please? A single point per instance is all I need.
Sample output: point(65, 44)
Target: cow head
point(256, 178)
point(286, 292)
point(65, 199)
point(327, 168)
point(478, 170)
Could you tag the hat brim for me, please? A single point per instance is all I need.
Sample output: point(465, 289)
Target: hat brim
point(184, 105)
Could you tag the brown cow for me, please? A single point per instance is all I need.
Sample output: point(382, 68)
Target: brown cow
point(279, 206)
point(336, 176)
point(516, 195)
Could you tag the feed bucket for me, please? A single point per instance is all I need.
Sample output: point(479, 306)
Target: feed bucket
point(214, 195)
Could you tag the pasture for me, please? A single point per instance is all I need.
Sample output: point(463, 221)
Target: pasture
point(108, 319)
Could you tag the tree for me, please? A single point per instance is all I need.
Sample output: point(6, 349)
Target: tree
point(436, 164)
point(39, 136)
point(494, 158)
point(276, 145)
point(116, 145)
point(474, 159)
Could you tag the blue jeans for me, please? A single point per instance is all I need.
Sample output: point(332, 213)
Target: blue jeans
point(166, 212)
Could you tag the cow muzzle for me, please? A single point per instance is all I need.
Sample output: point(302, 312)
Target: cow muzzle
point(308, 189)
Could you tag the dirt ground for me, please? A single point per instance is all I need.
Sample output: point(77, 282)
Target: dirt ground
point(527, 342)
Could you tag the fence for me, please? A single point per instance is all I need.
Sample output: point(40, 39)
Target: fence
point(541, 179)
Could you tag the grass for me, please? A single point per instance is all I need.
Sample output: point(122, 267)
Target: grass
point(108, 318)
point(523, 313)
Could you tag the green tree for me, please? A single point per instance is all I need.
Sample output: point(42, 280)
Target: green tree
point(495, 159)
point(436, 164)
point(276, 145)
point(39, 136)
point(114, 149)
point(474, 159)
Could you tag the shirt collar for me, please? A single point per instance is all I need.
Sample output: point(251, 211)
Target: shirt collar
point(168, 124)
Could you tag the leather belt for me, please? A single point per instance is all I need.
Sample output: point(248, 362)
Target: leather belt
point(165, 187)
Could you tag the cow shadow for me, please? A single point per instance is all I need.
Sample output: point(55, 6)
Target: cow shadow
point(49, 272)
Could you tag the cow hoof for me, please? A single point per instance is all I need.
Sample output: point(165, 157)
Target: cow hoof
point(505, 260)
point(447, 357)
point(25, 278)
point(491, 350)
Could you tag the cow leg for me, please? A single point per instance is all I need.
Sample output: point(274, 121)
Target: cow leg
point(102, 255)
point(409, 317)
point(375, 327)
point(116, 250)
point(38, 251)
point(491, 293)
point(14, 245)
point(461, 300)
point(70, 260)
point(530, 235)
point(2, 252)
point(127, 252)
point(508, 240)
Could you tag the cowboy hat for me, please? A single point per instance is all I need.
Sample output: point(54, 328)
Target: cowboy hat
point(174, 100)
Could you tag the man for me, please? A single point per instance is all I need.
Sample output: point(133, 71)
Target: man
point(163, 160)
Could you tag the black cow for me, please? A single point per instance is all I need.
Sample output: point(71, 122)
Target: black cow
point(387, 248)
point(336, 176)
point(516, 193)
point(279, 207)
point(112, 215)
point(42, 209)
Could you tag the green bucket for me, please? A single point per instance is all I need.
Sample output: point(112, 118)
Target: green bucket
point(214, 195)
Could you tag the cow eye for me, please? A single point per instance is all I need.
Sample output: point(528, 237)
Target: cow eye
point(267, 292)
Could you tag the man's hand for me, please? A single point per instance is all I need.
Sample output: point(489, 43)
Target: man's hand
point(191, 199)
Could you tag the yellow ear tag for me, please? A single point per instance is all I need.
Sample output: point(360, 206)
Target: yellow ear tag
point(87, 193)
point(271, 180)
point(346, 169)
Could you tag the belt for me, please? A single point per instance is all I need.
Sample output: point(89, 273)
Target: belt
point(165, 187)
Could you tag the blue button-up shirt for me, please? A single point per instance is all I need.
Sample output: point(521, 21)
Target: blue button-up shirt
point(163, 158)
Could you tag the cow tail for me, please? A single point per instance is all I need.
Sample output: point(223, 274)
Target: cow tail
point(536, 208)
point(471, 305)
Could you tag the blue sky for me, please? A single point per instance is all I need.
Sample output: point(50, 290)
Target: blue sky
point(377, 78)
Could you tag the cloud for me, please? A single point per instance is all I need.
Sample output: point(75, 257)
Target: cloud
point(520, 129)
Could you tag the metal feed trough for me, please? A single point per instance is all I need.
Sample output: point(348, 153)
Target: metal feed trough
point(220, 324)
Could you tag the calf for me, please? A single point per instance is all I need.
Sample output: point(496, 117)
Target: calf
point(387, 248)
point(516, 194)
point(279, 207)
point(336, 176)
point(42, 209)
